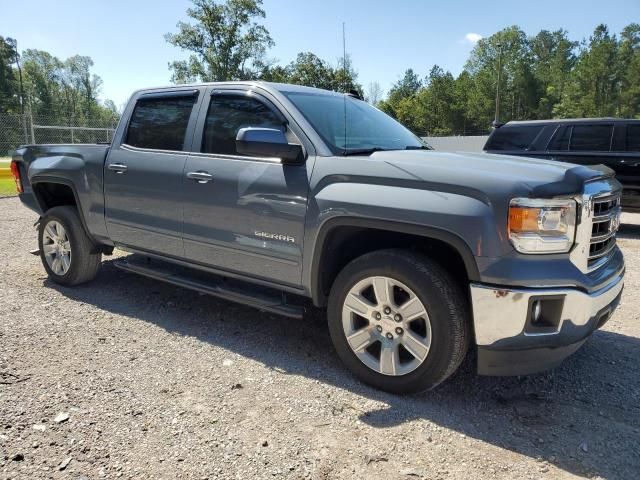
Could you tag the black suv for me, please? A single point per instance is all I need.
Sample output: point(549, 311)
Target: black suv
point(613, 142)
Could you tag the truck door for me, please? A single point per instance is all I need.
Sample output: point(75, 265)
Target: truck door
point(243, 214)
point(144, 172)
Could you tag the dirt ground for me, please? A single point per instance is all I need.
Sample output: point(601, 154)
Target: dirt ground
point(130, 378)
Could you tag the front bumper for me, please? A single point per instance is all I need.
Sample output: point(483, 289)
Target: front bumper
point(509, 341)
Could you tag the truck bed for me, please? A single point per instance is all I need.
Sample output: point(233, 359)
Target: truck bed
point(76, 169)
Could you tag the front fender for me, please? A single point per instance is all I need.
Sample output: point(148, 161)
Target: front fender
point(465, 223)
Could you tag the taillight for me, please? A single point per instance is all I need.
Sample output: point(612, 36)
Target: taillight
point(15, 171)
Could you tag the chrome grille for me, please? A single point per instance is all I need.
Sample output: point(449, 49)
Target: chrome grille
point(605, 212)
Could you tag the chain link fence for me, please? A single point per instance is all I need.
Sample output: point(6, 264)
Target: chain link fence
point(18, 129)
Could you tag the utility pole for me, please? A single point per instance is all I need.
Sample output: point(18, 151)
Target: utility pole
point(496, 120)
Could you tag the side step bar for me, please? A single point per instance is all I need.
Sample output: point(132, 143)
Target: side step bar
point(263, 298)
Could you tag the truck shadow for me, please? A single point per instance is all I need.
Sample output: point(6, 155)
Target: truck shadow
point(629, 230)
point(584, 412)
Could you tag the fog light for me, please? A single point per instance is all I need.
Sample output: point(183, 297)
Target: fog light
point(545, 314)
point(536, 311)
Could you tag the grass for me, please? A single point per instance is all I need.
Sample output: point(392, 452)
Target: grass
point(7, 187)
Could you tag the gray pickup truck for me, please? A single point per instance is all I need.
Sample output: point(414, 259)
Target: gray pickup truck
point(266, 193)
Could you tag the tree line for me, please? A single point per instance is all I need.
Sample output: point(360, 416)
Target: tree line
point(65, 92)
point(547, 75)
point(544, 76)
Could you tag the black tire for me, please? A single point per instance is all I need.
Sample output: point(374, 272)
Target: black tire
point(84, 263)
point(443, 300)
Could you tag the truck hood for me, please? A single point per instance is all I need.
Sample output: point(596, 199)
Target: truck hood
point(488, 175)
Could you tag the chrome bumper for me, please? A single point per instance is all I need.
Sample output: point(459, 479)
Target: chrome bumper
point(501, 314)
point(510, 344)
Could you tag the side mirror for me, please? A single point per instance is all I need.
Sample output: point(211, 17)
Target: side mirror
point(267, 142)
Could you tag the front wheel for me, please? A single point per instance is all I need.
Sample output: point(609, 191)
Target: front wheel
point(66, 251)
point(398, 321)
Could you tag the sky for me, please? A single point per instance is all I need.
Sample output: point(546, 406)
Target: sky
point(383, 38)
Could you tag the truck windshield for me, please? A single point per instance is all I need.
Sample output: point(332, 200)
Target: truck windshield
point(367, 128)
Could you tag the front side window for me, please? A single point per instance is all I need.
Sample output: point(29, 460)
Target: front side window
point(591, 138)
point(350, 125)
point(513, 138)
point(560, 140)
point(160, 123)
point(227, 115)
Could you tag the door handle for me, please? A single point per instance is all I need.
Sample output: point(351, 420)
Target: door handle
point(117, 167)
point(200, 177)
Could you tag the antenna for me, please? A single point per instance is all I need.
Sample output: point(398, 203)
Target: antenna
point(344, 59)
point(344, 83)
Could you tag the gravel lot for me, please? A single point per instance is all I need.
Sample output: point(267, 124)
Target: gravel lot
point(127, 377)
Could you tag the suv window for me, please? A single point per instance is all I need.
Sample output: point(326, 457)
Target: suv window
point(513, 138)
point(593, 138)
point(560, 140)
point(160, 123)
point(229, 113)
point(633, 137)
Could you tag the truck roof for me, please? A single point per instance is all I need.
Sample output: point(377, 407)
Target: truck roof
point(280, 87)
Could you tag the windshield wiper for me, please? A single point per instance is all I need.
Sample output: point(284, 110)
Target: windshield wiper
point(417, 147)
point(363, 151)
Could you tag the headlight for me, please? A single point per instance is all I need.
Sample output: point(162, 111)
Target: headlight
point(542, 226)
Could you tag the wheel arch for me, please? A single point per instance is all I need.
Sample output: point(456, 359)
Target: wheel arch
point(352, 237)
point(50, 192)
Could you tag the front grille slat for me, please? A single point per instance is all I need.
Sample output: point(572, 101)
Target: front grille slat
point(602, 238)
point(605, 213)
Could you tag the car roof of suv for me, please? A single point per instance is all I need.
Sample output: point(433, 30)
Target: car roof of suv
point(570, 121)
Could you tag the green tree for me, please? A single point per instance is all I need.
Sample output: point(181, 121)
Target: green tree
point(400, 103)
point(518, 99)
point(310, 70)
point(629, 66)
point(437, 102)
point(65, 92)
point(42, 72)
point(225, 39)
point(552, 61)
point(9, 87)
point(594, 82)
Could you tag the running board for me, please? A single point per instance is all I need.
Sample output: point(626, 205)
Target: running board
point(263, 298)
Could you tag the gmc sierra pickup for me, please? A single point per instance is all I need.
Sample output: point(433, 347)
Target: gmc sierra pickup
point(266, 193)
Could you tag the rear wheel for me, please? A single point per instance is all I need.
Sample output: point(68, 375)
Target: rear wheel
point(398, 321)
point(65, 249)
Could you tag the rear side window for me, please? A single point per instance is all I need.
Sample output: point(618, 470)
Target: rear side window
point(513, 138)
point(633, 137)
point(229, 113)
point(591, 138)
point(160, 123)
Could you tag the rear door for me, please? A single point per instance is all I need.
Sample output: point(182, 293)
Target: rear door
point(243, 214)
point(583, 144)
point(144, 172)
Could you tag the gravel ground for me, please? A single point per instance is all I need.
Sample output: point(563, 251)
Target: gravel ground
point(127, 377)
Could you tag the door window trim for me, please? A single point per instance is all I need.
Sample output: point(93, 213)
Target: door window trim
point(198, 136)
point(191, 124)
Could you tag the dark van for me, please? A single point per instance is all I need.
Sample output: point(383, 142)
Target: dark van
point(613, 142)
